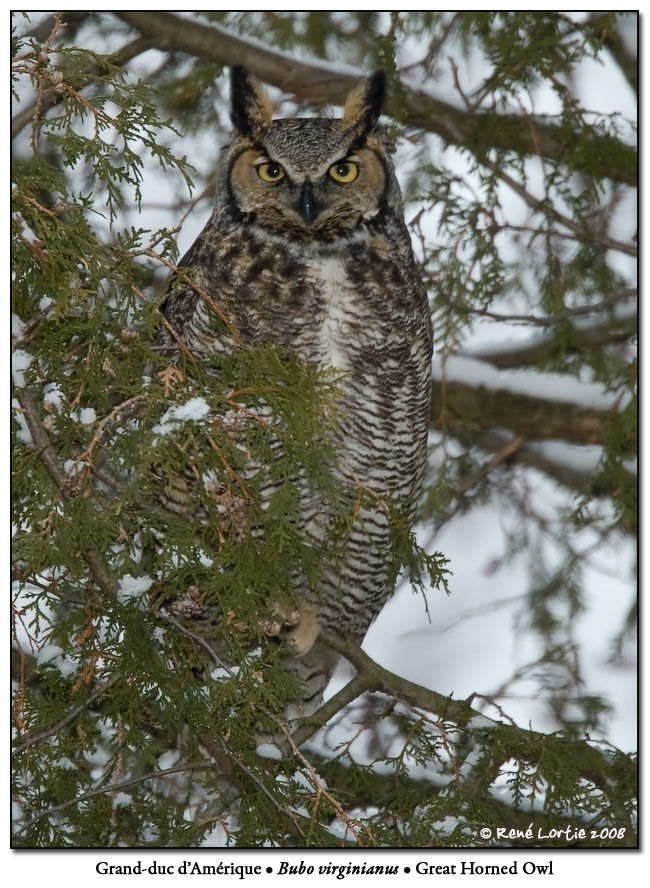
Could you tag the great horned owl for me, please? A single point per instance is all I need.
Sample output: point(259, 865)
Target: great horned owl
point(307, 249)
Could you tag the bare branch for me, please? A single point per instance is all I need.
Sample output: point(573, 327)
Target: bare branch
point(460, 408)
point(576, 474)
point(608, 332)
point(503, 454)
point(618, 298)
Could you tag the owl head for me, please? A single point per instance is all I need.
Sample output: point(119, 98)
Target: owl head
point(312, 177)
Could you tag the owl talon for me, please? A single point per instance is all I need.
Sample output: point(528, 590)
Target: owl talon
point(302, 625)
point(293, 618)
point(306, 630)
point(271, 628)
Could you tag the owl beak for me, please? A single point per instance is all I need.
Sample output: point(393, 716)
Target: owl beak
point(307, 206)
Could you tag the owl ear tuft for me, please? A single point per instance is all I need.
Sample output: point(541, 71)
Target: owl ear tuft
point(364, 104)
point(251, 108)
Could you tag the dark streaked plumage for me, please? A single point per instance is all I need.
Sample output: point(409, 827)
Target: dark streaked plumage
point(307, 249)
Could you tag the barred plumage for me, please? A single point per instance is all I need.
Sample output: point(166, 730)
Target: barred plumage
point(307, 249)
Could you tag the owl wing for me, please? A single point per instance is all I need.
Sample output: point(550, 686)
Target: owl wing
point(181, 300)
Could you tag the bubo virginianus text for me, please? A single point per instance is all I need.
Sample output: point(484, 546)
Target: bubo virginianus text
point(307, 249)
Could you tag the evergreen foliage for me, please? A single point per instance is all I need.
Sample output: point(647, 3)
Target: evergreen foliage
point(146, 659)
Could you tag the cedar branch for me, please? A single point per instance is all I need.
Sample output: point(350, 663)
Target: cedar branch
point(111, 788)
point(48, 732)
point(50, 98)
point(595, 766)
point(50, 460)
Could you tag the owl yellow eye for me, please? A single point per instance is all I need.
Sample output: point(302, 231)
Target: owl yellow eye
point(270, 172)
point(344, 172)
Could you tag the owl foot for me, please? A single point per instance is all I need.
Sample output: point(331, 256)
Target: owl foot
point(302, 625)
